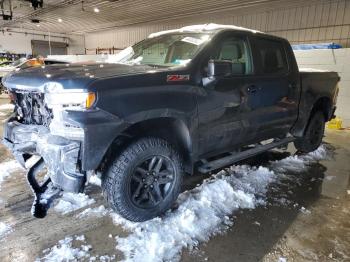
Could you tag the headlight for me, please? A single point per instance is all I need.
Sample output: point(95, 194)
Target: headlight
point(60, 101)
point(71, 99)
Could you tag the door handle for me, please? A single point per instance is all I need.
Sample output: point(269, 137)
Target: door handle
point(252, 89)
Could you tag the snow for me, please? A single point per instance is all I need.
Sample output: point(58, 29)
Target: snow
point(329, 178)
point(72, 249)
point(106, 258)
point(299, 163)
point(95, 180)
point(94, 212)
point(312, 70)
point(70, 202)
point(80, 238)
point(282, 259)
point(305, 211)
point(65, 251)
point(6, 168)
point(201, 213)
point(4, 230)
point(7, 107)
point(201, 28)
point(205, 211)
point(122, 56)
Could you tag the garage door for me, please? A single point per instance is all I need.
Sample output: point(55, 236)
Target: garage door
point(43, 48)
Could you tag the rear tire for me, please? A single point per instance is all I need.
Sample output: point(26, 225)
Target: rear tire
point(144, 180)
point(313, 134)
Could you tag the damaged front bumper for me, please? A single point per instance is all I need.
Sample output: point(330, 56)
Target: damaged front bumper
point(68, 160)
point(61, 155)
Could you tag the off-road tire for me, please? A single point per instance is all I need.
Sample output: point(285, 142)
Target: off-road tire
point(313, 134)
point(116, 181)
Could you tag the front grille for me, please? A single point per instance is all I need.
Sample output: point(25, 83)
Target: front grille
point(32, 110)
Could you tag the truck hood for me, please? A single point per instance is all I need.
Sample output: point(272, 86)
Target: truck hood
point(69, 76)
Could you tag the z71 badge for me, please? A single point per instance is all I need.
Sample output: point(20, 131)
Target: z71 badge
point(176, 78)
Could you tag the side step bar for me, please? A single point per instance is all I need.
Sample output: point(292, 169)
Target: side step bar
point(225, 161)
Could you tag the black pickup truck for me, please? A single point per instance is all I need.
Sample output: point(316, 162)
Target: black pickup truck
point(181, 101)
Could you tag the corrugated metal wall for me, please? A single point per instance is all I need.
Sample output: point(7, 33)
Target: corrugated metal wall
point(324, 21)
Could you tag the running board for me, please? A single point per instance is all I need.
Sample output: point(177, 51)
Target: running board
point(235, 157)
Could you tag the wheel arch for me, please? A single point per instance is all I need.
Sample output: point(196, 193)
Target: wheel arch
point(171, 129)
point(322, 104)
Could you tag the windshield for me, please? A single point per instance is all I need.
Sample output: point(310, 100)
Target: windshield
point(164, 50)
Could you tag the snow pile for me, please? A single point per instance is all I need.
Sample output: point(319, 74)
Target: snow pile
point(95, 180)
point(6, 168)
point(104, 258)
point(7, 107)
point(202, 213)
point(4, 230)
point(299, 163)
point(71, 202)
point(94, 212)
point(65, 251)
point(72, 249)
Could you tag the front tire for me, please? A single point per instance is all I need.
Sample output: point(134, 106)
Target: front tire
point(313, 135)
point(144, 180)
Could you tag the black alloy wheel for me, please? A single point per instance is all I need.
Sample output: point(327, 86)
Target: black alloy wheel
point(152, 181)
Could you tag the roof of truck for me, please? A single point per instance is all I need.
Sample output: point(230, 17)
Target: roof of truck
point(202, 28)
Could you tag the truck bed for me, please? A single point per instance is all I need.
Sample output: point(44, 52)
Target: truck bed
point(316, 86)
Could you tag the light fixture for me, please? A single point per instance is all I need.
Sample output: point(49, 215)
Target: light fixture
point(38, 25)
point(59, 20)
point(96, 10)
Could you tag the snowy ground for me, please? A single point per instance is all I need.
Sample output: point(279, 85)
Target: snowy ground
point(6, 169)
point(202, 212)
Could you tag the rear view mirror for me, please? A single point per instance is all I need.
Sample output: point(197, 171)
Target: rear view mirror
point(219, 68)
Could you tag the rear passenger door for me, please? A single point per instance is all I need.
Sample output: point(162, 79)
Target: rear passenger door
point(277, 87)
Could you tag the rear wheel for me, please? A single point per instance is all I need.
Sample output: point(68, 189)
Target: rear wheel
point(313, 135)
point(144, 180)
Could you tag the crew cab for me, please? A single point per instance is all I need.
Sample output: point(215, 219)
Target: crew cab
point(181, 101)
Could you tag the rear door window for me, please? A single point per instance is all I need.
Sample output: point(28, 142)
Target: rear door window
point(271, 56)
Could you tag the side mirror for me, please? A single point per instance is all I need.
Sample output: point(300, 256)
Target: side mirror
point(219, 68)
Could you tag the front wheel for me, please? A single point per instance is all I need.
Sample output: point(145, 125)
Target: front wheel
point(313, 135)
point(144, 180)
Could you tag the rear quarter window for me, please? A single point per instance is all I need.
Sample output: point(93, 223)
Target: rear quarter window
point(271, 56)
